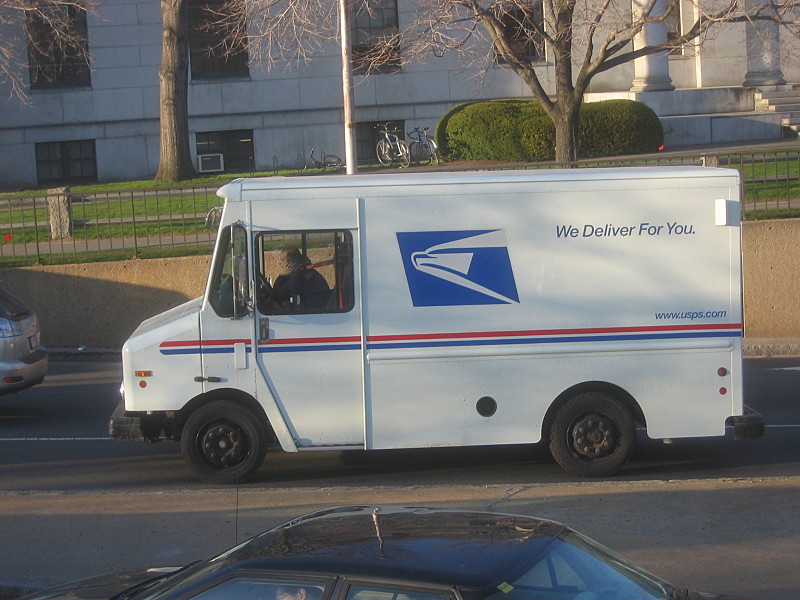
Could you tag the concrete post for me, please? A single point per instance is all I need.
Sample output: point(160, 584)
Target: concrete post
point(651, 72)
point(59, 213)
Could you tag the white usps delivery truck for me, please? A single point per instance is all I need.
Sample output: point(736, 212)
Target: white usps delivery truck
point(453, 309)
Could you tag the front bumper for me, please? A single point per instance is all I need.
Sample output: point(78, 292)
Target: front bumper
point(748, 426)
point(128, 426)
point(124, 426)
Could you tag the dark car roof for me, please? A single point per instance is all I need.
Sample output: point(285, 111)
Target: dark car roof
point(420, 544)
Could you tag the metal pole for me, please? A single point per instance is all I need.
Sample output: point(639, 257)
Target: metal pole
point(347, 90)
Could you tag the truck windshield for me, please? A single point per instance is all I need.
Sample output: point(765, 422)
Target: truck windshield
point(228, 292)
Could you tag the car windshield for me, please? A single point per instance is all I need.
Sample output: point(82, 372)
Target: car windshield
point(574, 567)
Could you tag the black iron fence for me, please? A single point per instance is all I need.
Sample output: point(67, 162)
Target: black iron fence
point(61, 227)
point(771, 180)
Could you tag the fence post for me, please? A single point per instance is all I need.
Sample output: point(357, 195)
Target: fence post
point(59, 213)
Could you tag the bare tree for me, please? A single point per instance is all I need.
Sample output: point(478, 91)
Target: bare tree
point(788, 14)
point(175, 159)
point(41, 36)
point(583, 38)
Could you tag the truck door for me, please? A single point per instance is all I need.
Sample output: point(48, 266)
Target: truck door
point(226, 321)
point(308, 331)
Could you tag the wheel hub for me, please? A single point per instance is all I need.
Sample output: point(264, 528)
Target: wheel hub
point(594, 436)
point(223, 445)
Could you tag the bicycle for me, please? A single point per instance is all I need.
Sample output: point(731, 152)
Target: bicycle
point(423, 148)
point(392, 149)
point(326, 161)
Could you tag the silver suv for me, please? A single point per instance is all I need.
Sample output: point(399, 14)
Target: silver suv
point(23, 362)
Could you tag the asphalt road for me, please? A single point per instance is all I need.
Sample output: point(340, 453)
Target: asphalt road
point(54, 437)
point(713, 514)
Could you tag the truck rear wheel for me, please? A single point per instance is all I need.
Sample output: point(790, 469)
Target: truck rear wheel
point(592, 435)
point(223, 442)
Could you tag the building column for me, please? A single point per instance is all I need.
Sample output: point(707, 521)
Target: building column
point(762, 39)
point(651, 72)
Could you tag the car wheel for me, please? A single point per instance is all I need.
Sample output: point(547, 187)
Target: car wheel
point(592, 435)
point(223, 442)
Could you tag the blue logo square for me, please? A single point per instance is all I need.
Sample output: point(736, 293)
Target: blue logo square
point(456, 268)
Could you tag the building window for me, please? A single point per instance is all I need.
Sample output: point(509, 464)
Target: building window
point(373, 35)
point(523, 23)
point(58, 60)
point(216, 51)
point(66, 162)
point(234, 147)
point(369, 133)
point(673, 22)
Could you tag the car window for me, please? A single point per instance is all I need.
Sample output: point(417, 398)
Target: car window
point(572, 569)
point(258, 588)
point(357, 592)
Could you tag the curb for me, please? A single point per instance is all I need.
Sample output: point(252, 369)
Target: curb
point(753, 348)
point(83, 354)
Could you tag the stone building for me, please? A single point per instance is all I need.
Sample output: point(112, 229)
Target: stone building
point(101, 123)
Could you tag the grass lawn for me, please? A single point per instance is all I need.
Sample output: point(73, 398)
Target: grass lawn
point(147, 209)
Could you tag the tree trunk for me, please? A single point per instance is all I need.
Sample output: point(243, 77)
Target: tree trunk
point(566, 125)
point(175, 160)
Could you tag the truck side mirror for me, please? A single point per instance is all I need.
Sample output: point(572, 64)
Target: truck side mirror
point(213, 217)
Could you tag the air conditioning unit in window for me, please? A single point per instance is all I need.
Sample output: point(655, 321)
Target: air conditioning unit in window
point(210, 163)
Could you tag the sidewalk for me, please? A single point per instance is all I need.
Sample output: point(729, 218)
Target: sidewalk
point(766, 347)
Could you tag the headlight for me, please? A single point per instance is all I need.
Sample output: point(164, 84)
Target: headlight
point(9, 328)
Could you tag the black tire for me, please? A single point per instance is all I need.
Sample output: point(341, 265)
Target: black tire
point(433, 151)
point(419, 154)
point(404, 155)
point(383, 152)
point(223, 442)
point(592, 435)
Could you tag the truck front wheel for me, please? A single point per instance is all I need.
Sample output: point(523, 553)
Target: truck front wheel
point(223, 442)
point(592, 435)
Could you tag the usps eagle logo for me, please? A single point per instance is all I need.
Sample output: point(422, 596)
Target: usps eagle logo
point(456, 268)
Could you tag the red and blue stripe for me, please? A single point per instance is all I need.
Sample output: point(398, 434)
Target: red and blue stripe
point(422, 341)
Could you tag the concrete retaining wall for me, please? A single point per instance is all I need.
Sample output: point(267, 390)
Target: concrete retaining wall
point(771, 272)
point(100, 304)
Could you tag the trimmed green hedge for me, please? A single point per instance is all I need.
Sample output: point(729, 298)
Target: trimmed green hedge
point(520, 130)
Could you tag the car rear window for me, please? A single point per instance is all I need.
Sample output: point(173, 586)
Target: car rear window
point(11, 308)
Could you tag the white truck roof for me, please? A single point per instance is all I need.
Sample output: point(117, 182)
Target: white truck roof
point(233, 191)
